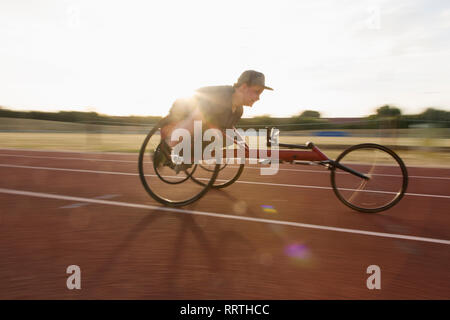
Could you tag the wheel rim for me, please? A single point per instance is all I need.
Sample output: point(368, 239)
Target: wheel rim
point(188, 172)
point(182, 190)
point(227, 175)
point(387, 183)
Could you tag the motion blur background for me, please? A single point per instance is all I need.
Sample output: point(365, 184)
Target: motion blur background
point(96, 75)
point(108, 63)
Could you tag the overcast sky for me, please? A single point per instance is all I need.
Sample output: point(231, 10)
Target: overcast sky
point(342, 58)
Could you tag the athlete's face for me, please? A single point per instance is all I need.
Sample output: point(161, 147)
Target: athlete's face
point(251, 94)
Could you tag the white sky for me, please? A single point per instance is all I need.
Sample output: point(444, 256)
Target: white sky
point(342, 58)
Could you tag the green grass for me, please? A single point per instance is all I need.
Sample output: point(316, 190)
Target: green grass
point(29, 125)
point(73, 141)
point(131, 143)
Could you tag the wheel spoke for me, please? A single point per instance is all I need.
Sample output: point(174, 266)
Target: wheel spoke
point(167, 182)
point(387, 183)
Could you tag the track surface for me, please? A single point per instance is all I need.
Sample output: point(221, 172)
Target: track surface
point(63, 208)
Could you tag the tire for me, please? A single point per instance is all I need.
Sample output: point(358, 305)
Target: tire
point(388, 178)
point(160, 186)
point(221, 183)
point(160, 176)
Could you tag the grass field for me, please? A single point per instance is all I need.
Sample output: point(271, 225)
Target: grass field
point(33, 125)
point(420, 155)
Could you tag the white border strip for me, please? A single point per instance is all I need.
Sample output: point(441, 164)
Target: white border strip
point(223, 216)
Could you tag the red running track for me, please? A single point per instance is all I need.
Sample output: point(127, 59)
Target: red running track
point(265, 237)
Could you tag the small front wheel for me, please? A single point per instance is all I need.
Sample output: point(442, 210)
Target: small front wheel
point(387, 178)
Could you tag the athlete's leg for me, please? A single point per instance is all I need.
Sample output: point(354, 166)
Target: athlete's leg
point(164, 157)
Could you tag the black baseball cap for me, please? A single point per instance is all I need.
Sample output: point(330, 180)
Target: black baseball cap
point(253, 78)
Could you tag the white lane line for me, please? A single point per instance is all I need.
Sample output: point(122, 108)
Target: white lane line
point(219, 215)
point(346, 189)
point(75, 205)
point(339, 172)
point(65, 158)
point(69, 170)
point(66, 151)
point(135, 155)
point(246, 167)
point(239, 181)
point(83, 204)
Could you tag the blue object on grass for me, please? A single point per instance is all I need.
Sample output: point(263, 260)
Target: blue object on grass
point(332, 134)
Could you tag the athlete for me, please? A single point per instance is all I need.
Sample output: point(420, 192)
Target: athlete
point(218, 107)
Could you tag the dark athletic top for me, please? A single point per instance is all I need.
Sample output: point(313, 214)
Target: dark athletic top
point(214, 103)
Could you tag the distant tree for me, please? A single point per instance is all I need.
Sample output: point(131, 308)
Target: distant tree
point(432, 114)
point(388, 111)
point(264, 116)
point(309, 114)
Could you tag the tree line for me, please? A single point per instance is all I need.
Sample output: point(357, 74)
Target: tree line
point(80, 117)
point(385, 117)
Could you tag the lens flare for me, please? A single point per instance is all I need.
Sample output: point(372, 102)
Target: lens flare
point(240, 207)
point(298, 251)
point(268, 209)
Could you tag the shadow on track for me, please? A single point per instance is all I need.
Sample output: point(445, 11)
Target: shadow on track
point(216, 249)
point(214, 246)
point(115, 255)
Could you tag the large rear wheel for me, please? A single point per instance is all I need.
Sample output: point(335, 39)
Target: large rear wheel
point(230, 170)
point(387, 178)
point(168, 182)
point(228, 174)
